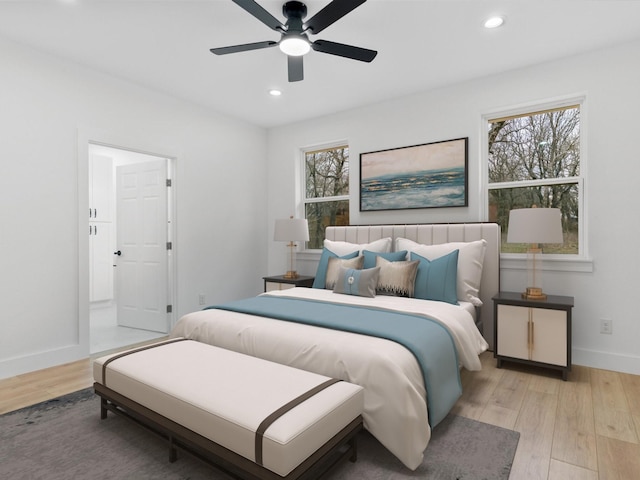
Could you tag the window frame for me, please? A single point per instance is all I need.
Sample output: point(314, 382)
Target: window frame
point(562, 262)
point(302, 190)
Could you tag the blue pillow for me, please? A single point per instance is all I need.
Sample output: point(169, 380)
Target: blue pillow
point(321, 272)
point(370, 257)
point(437, 279)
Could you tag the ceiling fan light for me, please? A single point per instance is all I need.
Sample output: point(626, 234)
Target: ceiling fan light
point(295, 46)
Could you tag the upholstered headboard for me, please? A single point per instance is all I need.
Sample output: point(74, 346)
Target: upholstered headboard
point(433, 234)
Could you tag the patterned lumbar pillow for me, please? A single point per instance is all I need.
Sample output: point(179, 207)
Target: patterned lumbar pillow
point(357, 282)
point(333, 267)
point(396, 278)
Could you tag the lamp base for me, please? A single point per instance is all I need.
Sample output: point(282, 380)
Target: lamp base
point(534, 293)
point(291, 274)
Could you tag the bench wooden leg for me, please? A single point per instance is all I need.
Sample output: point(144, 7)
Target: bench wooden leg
point(353, 444)
point(103, 408)
point(173, 453)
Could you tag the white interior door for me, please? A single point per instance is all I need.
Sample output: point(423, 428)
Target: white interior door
point(142, 266)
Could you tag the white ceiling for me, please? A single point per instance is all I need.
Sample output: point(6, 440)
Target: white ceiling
point(421, 44)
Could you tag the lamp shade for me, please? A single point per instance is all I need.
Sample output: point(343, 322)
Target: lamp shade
point(535, 225)
point(291, 230)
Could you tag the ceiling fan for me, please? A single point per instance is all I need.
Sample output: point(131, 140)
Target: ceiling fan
point(294, 41)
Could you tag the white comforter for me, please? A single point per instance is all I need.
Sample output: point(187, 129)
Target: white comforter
point(395, 409)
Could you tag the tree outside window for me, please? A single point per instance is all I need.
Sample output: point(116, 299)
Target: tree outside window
point(534, 159)
point(326, 199)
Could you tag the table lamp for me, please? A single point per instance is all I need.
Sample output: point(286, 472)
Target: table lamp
point(291, 230)
point(534, 226)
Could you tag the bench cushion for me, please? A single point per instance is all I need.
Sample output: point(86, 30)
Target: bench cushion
point(224, 396)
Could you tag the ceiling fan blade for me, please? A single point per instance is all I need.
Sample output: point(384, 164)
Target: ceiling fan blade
point(243, 48)
point(296, 73)
point(331, 13)
point(261, 14)
point(342, 50)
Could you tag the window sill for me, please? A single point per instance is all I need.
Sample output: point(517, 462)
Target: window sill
point(309, 254)
point(556, 263)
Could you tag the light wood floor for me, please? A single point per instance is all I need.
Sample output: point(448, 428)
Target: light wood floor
point(34, 387)
point(585, 428)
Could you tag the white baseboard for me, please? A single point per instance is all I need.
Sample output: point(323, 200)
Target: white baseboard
point(29, 363)
point(37, 361)
point(606, 360)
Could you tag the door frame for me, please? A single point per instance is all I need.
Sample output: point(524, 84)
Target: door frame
point(122, 142)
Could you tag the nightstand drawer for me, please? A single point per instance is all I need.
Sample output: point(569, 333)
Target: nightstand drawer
point(536, 332)
point(280, 282)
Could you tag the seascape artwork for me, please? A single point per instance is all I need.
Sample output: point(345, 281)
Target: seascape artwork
point(422, 176)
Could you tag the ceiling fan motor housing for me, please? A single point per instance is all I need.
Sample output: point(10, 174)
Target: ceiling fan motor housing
point(294, 10)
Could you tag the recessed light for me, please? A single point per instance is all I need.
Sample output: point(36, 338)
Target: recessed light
point(275, 92)
point(494, 22)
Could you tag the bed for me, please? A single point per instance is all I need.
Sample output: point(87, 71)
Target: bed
point(409, 383)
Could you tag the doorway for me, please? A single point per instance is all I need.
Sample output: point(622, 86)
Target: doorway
point(130, 250)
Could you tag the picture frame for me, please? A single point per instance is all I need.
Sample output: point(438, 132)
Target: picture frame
point(430, 175)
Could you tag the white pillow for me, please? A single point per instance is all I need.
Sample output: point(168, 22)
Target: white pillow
point(470, 258)
point(343, 248)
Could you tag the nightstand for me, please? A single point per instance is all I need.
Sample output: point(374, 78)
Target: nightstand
point(280, 282)
point(535, 332)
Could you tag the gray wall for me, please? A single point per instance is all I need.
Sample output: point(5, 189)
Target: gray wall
point(224, 226)
point(48, 108)
point(606, 284)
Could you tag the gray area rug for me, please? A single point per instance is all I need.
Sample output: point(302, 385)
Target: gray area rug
point(65, 439)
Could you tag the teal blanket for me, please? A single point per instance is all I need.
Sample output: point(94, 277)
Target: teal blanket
point(429, 341)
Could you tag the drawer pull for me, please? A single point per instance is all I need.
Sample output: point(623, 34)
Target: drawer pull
point(533, 336)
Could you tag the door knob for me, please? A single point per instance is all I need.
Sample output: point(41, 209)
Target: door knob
point(117, 253)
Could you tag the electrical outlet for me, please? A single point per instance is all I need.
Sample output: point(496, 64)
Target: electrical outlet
point(202, 299)
point(606, 326)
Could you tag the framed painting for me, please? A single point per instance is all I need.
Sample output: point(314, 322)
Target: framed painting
point(431, 175)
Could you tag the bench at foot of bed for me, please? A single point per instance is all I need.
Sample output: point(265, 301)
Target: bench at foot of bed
point(253, 418)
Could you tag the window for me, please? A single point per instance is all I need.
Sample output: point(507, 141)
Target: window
point(534, 159)
point(326, 193)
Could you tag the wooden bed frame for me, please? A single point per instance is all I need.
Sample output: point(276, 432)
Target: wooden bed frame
point(434, 234)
